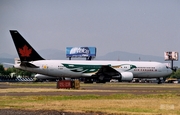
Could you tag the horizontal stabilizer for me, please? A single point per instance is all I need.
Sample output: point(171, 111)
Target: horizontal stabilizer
point(26, 64)
point(11, 64)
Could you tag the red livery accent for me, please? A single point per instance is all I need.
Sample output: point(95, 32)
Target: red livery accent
point(25, 52)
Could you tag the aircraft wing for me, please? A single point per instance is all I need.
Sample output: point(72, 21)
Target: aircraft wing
point(25, 64)
point(107, 71)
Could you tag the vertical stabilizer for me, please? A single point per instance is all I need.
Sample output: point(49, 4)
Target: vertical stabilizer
point(25, 51)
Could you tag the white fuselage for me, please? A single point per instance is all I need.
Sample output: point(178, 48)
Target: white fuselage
point(56, 68)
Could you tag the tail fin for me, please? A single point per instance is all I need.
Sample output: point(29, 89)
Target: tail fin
point(24, 49)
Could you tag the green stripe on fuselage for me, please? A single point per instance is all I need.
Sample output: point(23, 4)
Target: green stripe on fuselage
point(83, 68)
point(92, 68)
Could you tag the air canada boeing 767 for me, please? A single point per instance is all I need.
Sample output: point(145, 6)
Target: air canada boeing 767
point(100, 71)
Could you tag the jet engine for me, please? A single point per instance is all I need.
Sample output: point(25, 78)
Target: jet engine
point(126, 76)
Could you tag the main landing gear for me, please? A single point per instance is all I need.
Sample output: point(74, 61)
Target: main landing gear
point(159, 81)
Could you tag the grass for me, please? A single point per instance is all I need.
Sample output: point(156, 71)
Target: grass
point(117, 104)
point(161, 103)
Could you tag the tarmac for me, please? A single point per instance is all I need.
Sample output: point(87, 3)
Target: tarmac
point(97, 89)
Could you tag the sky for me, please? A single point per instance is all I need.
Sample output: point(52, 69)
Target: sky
point(148, 27)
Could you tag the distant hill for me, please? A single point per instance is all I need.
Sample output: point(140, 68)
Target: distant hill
point(7, 60)
point(116, 55)
point(125, 56)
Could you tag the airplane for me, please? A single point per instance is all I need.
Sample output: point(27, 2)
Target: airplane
point(99, 71)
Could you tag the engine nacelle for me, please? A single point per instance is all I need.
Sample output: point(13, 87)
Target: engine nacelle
point(126, 76)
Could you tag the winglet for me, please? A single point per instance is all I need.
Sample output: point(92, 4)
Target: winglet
point(25, 51)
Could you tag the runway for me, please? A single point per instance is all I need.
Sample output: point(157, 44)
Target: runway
point(46, 88)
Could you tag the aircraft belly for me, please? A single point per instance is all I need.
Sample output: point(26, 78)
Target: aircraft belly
point(147, 75)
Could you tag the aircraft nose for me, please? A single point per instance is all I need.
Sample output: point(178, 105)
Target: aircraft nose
point(169, 71)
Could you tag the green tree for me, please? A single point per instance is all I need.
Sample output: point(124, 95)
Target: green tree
point(22, 73)
point(10, 70)
point(2, 71)
point(176, 74)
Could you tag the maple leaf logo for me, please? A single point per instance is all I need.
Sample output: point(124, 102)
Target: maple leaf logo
point(25, 52)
